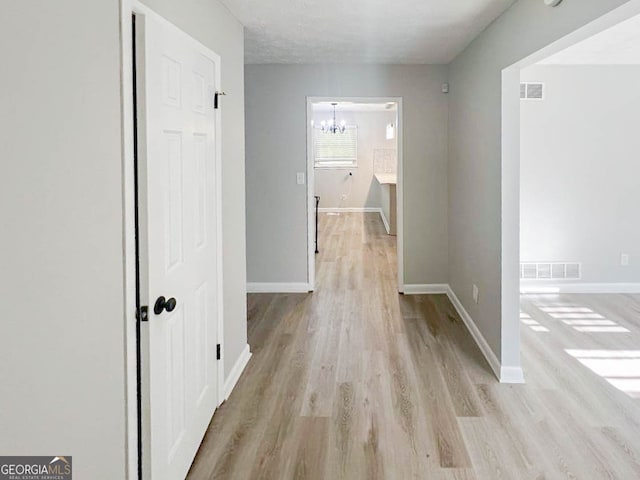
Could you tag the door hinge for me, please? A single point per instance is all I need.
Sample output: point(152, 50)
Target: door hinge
point(216, 99)
point(143, 314)
point(218, 352)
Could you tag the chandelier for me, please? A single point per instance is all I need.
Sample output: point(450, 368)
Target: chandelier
point(332, 126)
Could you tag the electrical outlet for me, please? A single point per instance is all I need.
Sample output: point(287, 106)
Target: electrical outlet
point(343, 196)
point(624, 259)
point(476, 293)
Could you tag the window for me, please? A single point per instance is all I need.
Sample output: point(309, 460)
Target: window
point(333, 150)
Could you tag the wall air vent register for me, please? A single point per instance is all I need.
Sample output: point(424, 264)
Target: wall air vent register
point(550, 271)
point(532, 91)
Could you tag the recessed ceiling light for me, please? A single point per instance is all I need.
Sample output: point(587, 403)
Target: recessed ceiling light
point(552, 3)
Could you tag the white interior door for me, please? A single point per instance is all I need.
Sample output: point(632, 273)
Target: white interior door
point(180, 227)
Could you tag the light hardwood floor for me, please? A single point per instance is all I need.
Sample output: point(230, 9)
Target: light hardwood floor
point(357, 382)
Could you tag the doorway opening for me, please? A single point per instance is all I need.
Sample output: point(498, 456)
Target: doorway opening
point(542, 251)
point(354, 171)
point(578, 211)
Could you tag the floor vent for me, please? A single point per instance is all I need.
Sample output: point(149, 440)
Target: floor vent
point(550, 271)
point(532, 91)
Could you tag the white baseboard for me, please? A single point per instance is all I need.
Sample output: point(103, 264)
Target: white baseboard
point(503, 373)
point(236, 371)
point(278, 288)
point(425, 289)
point(511, 375)
point(544, 287)
point(385, 221)
point(349, 210)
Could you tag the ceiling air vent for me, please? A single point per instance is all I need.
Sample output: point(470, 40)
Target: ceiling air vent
point(550, 271)
point(532, 91)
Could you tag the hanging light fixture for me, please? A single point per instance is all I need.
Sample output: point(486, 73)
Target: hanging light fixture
point(332, 126)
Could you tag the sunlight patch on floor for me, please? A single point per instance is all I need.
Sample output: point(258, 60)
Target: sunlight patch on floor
point(596, 329)
point(539, 328)
point(621, 368)
point(581, 319)
point(526, 319)
point(583, 323)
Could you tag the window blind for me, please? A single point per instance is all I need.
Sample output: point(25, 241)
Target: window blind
point(336, 149)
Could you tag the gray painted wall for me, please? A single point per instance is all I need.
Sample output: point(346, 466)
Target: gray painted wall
point(579, 168)
point(211, 23)
point(475, 148)
point(362, 189)
point(276, 206)
point(62, 355)
point(62, 375)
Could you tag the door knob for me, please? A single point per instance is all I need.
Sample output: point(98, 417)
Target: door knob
point(164, 304)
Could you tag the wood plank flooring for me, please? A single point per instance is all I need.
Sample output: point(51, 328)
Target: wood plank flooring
point(357, 382)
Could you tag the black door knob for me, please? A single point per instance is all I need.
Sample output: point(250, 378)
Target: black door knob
point(164, 304)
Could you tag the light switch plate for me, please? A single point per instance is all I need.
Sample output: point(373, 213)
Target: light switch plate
point(624, 259)
point(300, 178)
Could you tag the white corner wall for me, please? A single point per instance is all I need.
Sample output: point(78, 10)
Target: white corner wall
point(362, 190)
point(211, 23)
point(579, 170)
point(62, 335)
point(475, 163)
point(276, 150)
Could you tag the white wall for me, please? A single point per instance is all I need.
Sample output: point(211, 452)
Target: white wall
point(361, 188)
point(579, 168)
point(276, 206)
point(211, 23)
point(384, 199)
point(62, 375)
point(475, 147)
point(62, 352)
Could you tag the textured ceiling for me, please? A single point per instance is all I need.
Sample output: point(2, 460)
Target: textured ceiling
point(619, 45)
point(361, 31)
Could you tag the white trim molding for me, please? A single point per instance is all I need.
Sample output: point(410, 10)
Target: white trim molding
point(386, 222)
point(349, 210)
point(511, 375)
point(556, 288)
point(426, 289)
point(278, 287)
point(236, 371)
point(503, 373)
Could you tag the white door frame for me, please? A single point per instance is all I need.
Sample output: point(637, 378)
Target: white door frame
point(510, 273)
point(129, 8)
point(311, 225)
